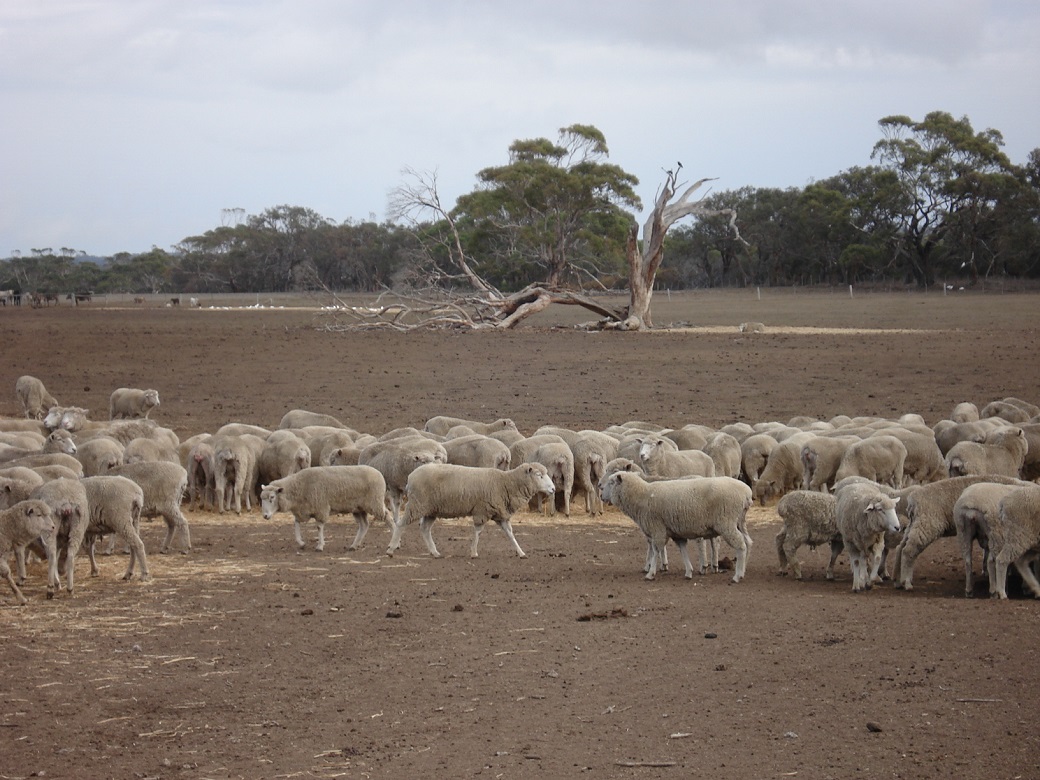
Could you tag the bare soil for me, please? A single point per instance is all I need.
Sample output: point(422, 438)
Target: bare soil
point(248, 659)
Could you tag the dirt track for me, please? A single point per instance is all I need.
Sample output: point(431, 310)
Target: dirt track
point(247, 659)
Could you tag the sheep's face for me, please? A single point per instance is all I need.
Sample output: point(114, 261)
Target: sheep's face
point(61, 441)
point(539, 474)
point(270, 498)
point(883, 512)
point(53, 418)
point(73, 419)
point(609, 485)
point(151, 398)
point(648, 448)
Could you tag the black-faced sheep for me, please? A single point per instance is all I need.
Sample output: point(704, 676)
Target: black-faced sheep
point(864, 516)
point(322, 490)
point(131, 403)
point(33, 397)
point(444, 490)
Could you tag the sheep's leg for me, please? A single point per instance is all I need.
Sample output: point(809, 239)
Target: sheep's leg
point(137, 555)
point(297, 530)
point(874, 557)
point(781, 556)
point(714, 545)
point(507, 527)
point(95, 570)
point(5, 571)
point(182, 526)
point(702, 556)
point(685, 553)
point(1022, 564)
point(649, 554)
point(362, 529)
point(1000, 578)
point(426, 529)
point(790, 556)
point(991, 573)
point(19, 564)
point(320, 546)
point(654, 548)
point(837, 545)
point(395, 536)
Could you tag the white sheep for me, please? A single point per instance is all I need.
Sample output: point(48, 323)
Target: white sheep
point(752, 327)
point(1018, 540)
point(965, 412)
point(591, 453)
point(724, 451)
point(282, 455)
point(56, 441)
point(558, 460)
point(660, 461)
point(1003, 452)
point(319, 491)
point(238, 429)
point(821, 456)
point(445, 490)
point(132, 403)
point(930, 510)
point(521, 451)
point(810, 517)
point(924, 460)
point(976, 516)
point(878, 458)
point(754, 454)
point(301, 418)
point(864, 516)
point(479, 451)
point(163, 485)
point(396, 459)
point(146, 449)
point(783, 469)
point(67, 499)
point(684, 509)
point(33, 396)
point(115, 504)
point(234, 470)
point(1009, 413)
point(98, 455)
point(20, 525)
point(441, 425)
point(1031, 410)
point(202, 490)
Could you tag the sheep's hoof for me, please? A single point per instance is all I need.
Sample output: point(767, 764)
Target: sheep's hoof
point(521, 555)
point(389, 553)
point(689, 575)
point(50, 595)
point(352, 548)
point(319, 548)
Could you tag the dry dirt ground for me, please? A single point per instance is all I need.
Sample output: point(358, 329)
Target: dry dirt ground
point(247, 659)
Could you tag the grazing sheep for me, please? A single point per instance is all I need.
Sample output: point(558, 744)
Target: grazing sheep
point(821, 456)
point(1009, 413)
point(690, 437)
point(507, 436)
point(163, 485)
point(131, 403)
point(20, 525)
point(12, 425)
point(28, 440)
point(445, 490)
point(56, 441)
point(930, 510)
point(99, 455)
point(754, 454)
point(724, 451)
point(864, 516)
point(441, 425)
point(341, 456)
point(684, 509)
point(810, 517)
point(924, 460)
point(141, 450)
point(202, 489)
point(965, 412)
point(234, 467)
point(239, 429)
point(558, 460)
point(975, 515)
point(879, 458)
point(783, 469)
point(1031, 410)
point(479, 451)
point(660, 461)
point(591, 452)
point(947, 434)
point(521, 451)
point(396, 459)
point(322, 441)
point(321, 490)
point(47, 459)
point(282, 456)
point(67, 499)
point(1018, 540)
point(33, 396)
point(114, 505)
point(301, 418)
point(1003, 452)
point(752, 327)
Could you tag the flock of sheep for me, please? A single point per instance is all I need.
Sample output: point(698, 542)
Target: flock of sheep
point(865, 485)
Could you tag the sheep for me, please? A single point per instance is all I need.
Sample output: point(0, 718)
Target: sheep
point(558, 460)
point(629, 445)
point(238, 429)
point(754, 453)
point(13, 490)
point(930, 510)
point(783, 469)
point(67, 499)
point(947, 435)
point(341, 456)
point(28, 440)
point(521, 451)
point(397, 459)
point(234, 463)
point(1008, 412)
point(591, 452)
point(684, 509)
point(445, 490)
point(724, 450)
point(47, 459)
point(320, 490)
point(690, 437)
point(20, 525)
point(323, 440)
point(879, 458)
point(114, 505)
point(131, 403)
point(282, 456)
point(56, 441)
point(810, 518)
point(507, 436)
point(975, 512)
point(965, 412)
point(1031, 464)
point(202, 492)
point(821, 456)
point(478, 451)
point(98, 455)
point(144, 449)
point(441, 425)
point(1031, 410)
point(658, 460)
point(864, 515)
point(1003, 452)
point(163, 485)
point(924, 460)
point(300, 418)
point(12, 425)
point(23, 474)
point(1018, 539)
point(33, 396)
point(752, 327)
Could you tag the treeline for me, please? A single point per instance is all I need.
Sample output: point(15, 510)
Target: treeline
point(939, 202)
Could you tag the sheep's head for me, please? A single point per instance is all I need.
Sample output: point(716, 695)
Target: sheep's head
point(151, 397)
point(73, 418)
point(610, 484)
point(881, 514)
point(53, 417)
point(539, 475)
point(270, 499)
point(61, 441)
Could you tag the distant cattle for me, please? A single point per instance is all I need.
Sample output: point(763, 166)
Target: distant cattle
point(6, 296)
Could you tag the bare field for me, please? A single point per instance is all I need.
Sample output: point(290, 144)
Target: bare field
point(247, 659)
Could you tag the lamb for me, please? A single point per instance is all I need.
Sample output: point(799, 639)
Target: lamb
point(478, 451)
point(320, 490)
point(441, 425)
point(131, 403)
point(879, 458)
point(445, 490)
point(301, 418)
point(396, 460)
point(282, 456)
point(163, 485)
point(114, 505)
point(99, 455)
point(930, 510)
point(1003, 452)
point(657, 460)
point(33, 396)
point(754, 454)
point(559, 462)
point(975, 513)
point(810, 517)
point(752, 327)
point(20, 525)
point(965, 412)
point(864, 516)
point(783, 470)
point(67, 499)
point(685, 509)
point(1018, 538)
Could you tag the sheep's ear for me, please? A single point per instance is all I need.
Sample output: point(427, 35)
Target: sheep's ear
point(895, 501)
point(280, 489)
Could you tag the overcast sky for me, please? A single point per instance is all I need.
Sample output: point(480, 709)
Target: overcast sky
point(132, 124)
